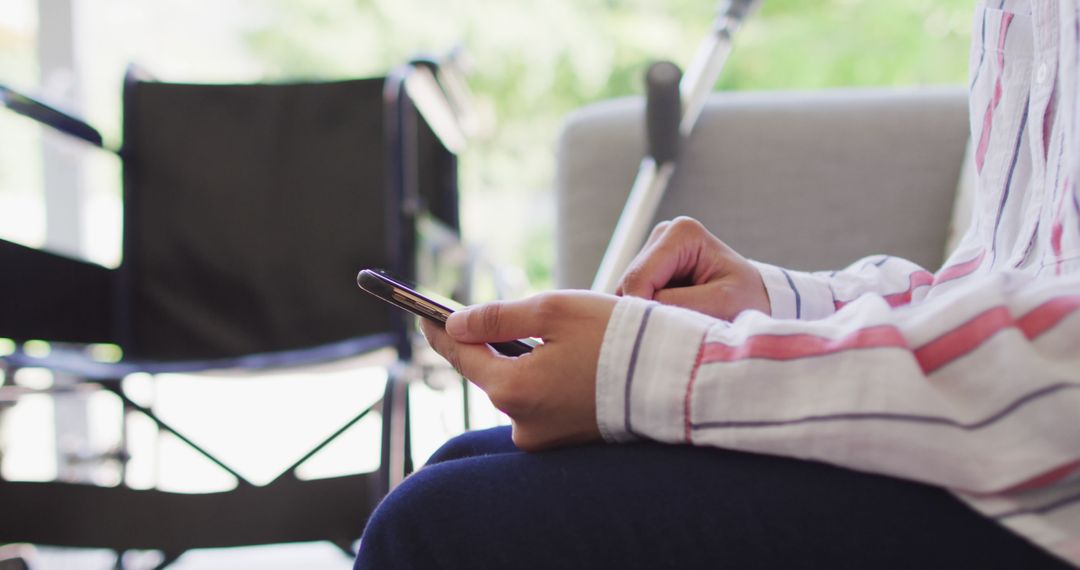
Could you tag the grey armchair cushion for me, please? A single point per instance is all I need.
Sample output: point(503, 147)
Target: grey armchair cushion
point(807, 180)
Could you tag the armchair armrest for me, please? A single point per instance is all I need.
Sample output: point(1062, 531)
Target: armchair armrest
point(51, 297)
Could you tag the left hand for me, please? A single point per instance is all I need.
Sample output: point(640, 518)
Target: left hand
point(682, 264)
point(550, 393)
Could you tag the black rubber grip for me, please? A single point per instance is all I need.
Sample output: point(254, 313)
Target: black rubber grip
point(739, 9)
point(663, 110)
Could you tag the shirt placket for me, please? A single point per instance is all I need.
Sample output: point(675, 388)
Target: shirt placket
point(1043, 79)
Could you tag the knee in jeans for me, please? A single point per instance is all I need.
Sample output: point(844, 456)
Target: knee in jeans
point(454, 448)
point(399, 531)
point(472, 444)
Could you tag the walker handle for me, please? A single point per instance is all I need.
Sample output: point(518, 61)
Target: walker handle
point(663, 110)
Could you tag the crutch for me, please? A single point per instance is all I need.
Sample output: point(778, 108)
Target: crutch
point(673, 103)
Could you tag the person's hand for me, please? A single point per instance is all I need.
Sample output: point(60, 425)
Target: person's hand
point(683, 264)
point(550, 393)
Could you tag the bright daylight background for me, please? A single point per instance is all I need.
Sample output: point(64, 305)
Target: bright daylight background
point(532, 63)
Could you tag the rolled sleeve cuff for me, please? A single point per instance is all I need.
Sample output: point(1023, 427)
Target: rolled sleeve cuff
point(645, 364)
point(616, 352)
point(796, 294)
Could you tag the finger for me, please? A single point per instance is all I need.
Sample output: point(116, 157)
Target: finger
point(481, 365)
point(500, 321)
point(436, 336)
point(430, 329)
point(655, 235)
point(477, 362)
point(652, 269)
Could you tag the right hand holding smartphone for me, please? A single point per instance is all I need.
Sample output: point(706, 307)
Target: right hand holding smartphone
point(550, 394)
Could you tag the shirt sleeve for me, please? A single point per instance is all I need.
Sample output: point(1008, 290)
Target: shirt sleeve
point(977, 389)
point(815, 295)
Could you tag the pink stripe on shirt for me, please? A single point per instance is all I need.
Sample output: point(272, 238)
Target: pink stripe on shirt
point(915, 280)
point(932, 356)
point(988, 118)
point(959, 270)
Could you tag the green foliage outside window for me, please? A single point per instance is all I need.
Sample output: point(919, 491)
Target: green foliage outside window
point(537, 61)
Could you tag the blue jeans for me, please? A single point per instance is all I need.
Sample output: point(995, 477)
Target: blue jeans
point(481, 503)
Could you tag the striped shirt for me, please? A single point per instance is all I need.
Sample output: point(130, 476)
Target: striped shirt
point(967, 377)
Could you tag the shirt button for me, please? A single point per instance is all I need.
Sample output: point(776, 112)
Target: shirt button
point(1040, 75)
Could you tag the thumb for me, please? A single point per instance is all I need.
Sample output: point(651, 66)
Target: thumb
point(494, 322)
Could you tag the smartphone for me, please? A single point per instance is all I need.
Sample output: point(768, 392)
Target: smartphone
point(399, 293)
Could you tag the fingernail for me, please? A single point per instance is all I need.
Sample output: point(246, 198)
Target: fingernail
point(455, 325)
